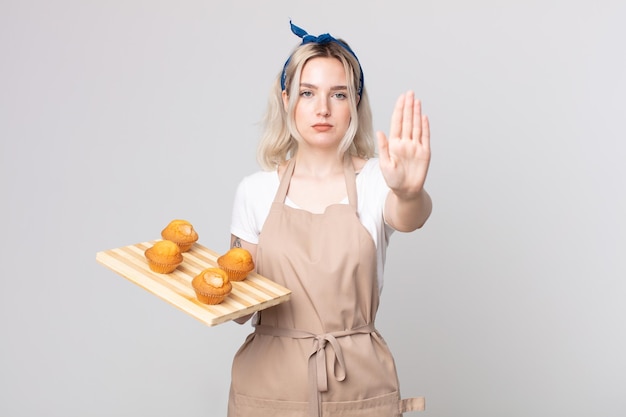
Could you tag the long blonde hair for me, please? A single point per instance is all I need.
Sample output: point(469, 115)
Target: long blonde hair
point(279, 138)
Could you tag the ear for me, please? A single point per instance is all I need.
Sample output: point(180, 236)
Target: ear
point(285, 100)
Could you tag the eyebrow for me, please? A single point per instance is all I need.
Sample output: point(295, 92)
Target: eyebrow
point(334, 88)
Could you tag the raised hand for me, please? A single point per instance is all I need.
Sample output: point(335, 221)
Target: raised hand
point(405, 156)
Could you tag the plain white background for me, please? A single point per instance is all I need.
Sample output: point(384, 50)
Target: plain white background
point(118, 116)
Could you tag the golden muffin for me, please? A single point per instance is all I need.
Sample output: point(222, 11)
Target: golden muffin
point(237, 263)
point(180, 232)
point(164, 256)
point(211, 285)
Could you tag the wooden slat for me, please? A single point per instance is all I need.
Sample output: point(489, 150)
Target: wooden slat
point(254, 293)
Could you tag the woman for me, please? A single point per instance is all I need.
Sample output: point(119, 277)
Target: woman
point(317, 221)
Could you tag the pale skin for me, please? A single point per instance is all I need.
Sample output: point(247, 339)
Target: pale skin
point(322, 117)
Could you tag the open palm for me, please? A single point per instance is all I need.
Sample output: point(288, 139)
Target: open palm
point(405, 156)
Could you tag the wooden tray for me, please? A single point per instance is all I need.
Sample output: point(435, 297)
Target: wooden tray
point(254, 293)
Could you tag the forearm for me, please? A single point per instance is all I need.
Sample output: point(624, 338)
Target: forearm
point(407, 214)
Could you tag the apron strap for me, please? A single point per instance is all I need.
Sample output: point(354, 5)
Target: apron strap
point(281, 193)
point(318, 375)
point(350, 176)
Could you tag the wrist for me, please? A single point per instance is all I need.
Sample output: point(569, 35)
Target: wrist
point(408, 195)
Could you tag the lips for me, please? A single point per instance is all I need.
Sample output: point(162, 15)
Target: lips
point(322, 127)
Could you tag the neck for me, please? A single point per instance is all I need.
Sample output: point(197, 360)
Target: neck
point(318, 164)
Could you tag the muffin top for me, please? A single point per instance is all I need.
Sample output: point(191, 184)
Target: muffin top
point(164, 251)
point(212, 280)
point(237, 258)
point(179, 230)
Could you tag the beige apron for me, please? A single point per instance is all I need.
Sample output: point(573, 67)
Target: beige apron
point(317, 354)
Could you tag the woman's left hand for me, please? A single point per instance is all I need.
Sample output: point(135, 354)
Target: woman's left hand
point(405, 156)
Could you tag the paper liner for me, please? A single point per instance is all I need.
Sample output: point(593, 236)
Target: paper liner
point(235, 275)
point(162, 268)
point(184, 246)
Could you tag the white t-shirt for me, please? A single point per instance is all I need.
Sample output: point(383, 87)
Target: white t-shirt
point(256, 193)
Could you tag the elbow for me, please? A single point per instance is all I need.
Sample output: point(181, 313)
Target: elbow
point(418, 221)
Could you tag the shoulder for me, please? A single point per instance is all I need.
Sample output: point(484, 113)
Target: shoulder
point(253, 200)
point(370, 165)
point(370, 171)
point(371, 187)
point(259, 179)
point(358, 163)
point(256, 187)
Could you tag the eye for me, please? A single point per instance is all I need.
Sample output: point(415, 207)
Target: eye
point(341, 95)
point(306, 93)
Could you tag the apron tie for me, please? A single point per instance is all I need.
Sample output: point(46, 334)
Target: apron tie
point(318, 374)
point(319, 353)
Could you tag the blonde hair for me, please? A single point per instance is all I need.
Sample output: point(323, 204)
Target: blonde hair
point(279, 138)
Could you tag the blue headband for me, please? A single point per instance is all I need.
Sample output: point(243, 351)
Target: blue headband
point(324, 38)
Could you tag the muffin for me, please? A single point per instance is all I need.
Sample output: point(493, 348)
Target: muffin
point(180, 232)
point(164, 256)
point(211, 285)
point(237, 263)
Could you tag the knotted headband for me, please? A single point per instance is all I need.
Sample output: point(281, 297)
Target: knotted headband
point(321, 39)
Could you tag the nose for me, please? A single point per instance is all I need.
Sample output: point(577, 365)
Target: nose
point(323, 108)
